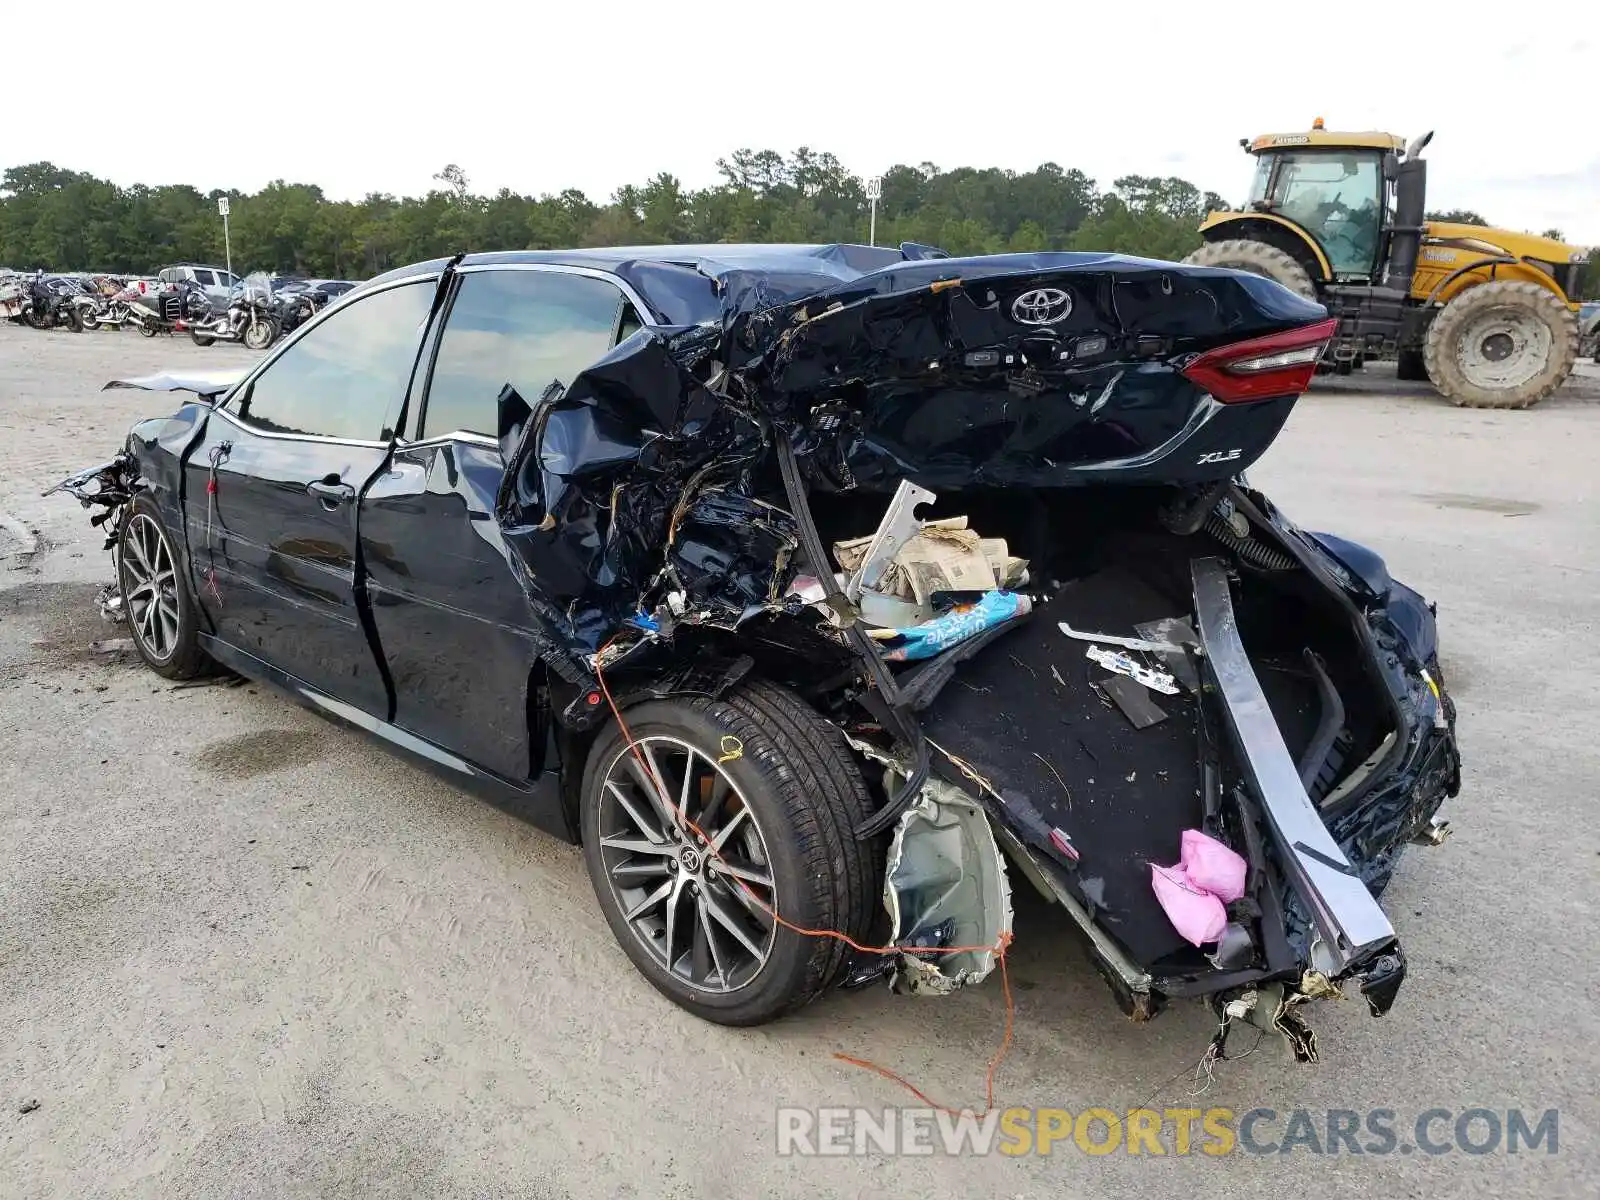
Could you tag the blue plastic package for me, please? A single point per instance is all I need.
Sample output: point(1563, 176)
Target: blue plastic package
point(938, 635)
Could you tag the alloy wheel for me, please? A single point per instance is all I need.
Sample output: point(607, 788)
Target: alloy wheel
point(150, 588)
point(700, 907)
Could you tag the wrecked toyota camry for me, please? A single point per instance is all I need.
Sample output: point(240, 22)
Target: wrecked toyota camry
point(825, 594)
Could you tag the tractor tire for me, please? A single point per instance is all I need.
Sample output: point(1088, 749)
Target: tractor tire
point(1259, 259)
point(1411, 368)
point(1501, 345)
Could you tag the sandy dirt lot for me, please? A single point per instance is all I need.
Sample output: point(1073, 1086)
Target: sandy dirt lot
point(246, 953)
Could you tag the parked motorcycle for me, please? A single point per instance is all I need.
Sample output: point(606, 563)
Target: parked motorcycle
point(249, 317)
point(166, 309)
point(49, 303)
point(110, 312)
point(297, 307)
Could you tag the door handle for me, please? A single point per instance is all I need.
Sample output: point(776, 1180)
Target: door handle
point(331, 492)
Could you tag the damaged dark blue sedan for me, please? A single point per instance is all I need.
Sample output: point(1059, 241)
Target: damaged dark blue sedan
point(558, 524)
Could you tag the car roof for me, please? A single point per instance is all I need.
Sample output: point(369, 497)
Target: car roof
point(859, 258)
point(656, 273)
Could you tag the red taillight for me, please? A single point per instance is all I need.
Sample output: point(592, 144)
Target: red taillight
point(1280, 364)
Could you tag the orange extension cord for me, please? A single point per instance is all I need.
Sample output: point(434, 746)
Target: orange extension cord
point(998, 949)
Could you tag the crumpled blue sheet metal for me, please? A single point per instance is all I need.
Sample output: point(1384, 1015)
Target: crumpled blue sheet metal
point(877, 368)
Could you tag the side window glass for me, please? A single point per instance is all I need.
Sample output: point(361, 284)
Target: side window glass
point(525, 328)
point(341, 378)
point(204, 278)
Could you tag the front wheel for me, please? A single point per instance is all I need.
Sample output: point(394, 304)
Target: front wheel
point(775, 792)
point(260, 334)
point(37, 319)
point(88, 319)
point(156, 601)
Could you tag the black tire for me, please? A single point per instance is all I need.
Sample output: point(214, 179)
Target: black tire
point(796, 774)
point(201, 339)
point(1258, 258)
point(89, 320)
point(36, 319)
point(1458, 349)
point(1410, 367)
point(74, 320)
point(146, 329)
point(179, 655)
point(260, 335)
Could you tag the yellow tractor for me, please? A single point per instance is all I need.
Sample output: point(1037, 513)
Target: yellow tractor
point(1489, 315)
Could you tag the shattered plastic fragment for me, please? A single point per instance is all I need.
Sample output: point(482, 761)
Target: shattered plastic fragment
point(1122, 664)
point(1112, 639)
point(945, 884)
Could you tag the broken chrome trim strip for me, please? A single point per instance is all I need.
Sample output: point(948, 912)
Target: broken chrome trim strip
point(1352, 925)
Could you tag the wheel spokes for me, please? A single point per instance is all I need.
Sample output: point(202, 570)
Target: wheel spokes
point(731, 923)
point(653, 864)
point(726, 866)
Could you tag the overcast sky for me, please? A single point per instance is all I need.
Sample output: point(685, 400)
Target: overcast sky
point(360, 96)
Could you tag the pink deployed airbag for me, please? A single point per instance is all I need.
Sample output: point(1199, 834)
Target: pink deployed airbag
point(1192, 893)
point(1212, 867)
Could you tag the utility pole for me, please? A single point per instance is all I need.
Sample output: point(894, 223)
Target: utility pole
point(874, 194)
point(227, 242)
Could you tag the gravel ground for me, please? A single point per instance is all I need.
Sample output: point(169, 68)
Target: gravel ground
point(244, 952)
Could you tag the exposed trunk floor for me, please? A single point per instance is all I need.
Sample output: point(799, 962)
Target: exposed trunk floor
point(1128, 793)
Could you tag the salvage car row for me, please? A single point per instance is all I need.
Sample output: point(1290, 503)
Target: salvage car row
point(720, 560)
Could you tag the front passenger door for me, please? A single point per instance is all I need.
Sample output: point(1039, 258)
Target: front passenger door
point(271, 493)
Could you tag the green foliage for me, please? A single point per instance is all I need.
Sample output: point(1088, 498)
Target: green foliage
point(64, 220)
point(1589, 288)
point(1460, 216)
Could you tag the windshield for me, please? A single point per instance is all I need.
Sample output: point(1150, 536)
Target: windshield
point(1334, 196)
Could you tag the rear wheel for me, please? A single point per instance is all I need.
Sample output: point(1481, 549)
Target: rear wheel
point(201, 339)
point(1259, 259)
point(1501, 345)
point(775, 790)
point(160, 611)
point(88, 319)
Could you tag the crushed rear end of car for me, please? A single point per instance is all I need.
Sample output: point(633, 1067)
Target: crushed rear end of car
point(1157, 659)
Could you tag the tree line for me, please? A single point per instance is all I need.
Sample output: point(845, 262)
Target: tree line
point(70, 221)
point(66, 220)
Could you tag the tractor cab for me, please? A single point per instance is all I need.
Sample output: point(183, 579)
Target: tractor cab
point(1334, 186)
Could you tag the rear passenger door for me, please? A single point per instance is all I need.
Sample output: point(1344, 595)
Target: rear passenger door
point(451, 618)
